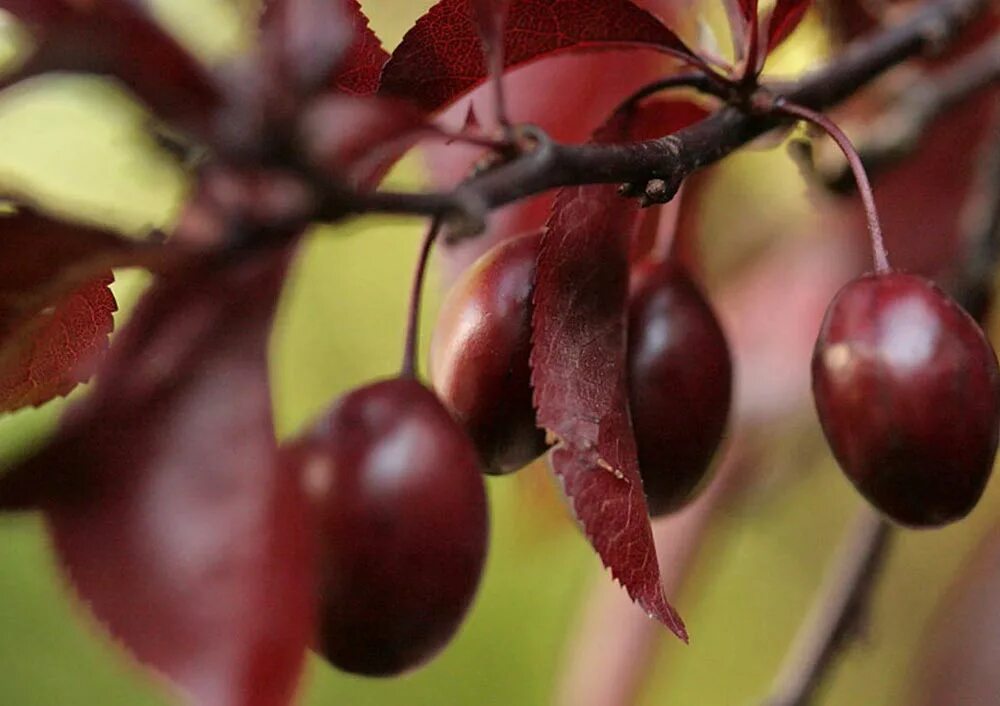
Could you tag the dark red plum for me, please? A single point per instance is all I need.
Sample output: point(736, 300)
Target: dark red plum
point(907, 390)
point(680, 383)
point(403, 526)
point(480, 352)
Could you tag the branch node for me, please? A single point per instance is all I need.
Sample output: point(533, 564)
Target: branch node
point(658, 191)
point(467, 218)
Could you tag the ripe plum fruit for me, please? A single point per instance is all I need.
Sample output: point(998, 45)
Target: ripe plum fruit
point(907, 390)
point(680, 383)
point(403, 526)
point(480, 352)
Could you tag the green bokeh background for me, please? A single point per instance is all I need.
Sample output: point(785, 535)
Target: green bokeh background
point(78, 145)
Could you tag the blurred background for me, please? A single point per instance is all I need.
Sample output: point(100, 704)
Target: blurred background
point(771, 257)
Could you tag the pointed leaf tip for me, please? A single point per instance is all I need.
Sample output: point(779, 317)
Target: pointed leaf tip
point(579, 366)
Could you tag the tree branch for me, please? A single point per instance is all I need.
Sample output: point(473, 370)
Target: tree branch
point(836, 613)
point(676, 156)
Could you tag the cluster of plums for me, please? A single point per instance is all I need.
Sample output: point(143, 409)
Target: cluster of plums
point(906, 385)
point(679, 369)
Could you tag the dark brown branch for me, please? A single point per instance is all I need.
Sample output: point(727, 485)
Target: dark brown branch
point(673, 158)
point(898, 132)
point(836, 614)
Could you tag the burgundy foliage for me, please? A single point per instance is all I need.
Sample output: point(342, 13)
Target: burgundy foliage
point(403, 526)
point(49, 354)
point(578, 361)
point(171, 512)
point(361, 69)
point(441, 57)
point(578, 372)
point(216, 558)
point(55, 305)
point(908, 392)
point(754, 36)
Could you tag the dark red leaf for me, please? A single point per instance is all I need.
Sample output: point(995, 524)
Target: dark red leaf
point(51, 353)
point(785, 17)
point(119, 38)
point(578, 369)
point(357, 138)
point(55, 305)
point(174, 516)
point(440, 58)
point(42, 259)
point(359, 72)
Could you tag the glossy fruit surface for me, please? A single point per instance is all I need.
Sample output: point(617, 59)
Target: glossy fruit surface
point(908, 393)
point(680, 383)
point(480, 352)
point(403, 526)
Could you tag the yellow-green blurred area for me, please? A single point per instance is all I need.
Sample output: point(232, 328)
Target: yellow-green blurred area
point(79, 146)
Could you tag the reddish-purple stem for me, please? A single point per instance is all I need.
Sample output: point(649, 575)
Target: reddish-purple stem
point(879, 254)
point(409, 367)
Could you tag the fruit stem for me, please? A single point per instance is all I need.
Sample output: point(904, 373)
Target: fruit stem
point(879, 255)
point(409, 367)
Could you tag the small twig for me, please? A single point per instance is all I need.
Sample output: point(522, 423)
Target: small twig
point(836, 613)
point(898, 132)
